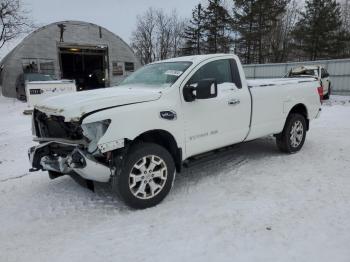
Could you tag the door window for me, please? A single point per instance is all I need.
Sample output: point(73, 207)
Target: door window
point(220, 70)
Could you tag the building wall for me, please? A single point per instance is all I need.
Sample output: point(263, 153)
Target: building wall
point(338, 69)
point(44, 44)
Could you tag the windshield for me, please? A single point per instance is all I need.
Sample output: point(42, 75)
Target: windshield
point(37, 77)
point(159, 74)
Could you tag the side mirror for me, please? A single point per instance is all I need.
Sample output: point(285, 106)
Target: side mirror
point(205, 89)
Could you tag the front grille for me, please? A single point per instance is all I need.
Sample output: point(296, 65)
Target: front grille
point(55, 127)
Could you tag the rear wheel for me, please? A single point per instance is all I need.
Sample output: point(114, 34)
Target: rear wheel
point(146, 177)
point(292, 138)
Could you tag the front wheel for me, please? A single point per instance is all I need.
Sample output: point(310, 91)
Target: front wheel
point(292, 138)
point(146, 177)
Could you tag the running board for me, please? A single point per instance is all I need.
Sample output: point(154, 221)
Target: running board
point(202, 158)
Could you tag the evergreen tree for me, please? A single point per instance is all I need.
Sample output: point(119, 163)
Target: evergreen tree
point(244, 15)
point(217, 27)
point(254, 20)
point(319, 33)
point(194, 32)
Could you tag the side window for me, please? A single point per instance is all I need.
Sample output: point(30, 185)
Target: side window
point(324, 73)
point(220, 70)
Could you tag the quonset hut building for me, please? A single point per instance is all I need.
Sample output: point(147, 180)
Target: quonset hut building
point(90, 54)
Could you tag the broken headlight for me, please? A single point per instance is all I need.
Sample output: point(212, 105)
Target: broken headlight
point(93, 132)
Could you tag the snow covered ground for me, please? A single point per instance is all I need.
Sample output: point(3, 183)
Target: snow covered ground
point(251, 204)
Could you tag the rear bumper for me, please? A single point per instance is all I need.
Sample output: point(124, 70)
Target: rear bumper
point(44, 157)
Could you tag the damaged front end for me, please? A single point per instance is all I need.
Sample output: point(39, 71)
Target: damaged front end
point(70, 147)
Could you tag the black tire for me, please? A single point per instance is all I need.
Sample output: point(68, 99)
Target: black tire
point(121, 180)
point(284, 141)
point(326, 97)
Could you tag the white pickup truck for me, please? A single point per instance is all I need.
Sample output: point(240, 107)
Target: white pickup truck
point(137, 135)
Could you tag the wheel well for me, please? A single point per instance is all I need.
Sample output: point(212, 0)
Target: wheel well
point(301, 109)
point(166, 140)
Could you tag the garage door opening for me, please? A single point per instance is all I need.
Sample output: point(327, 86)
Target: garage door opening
point(87, 66)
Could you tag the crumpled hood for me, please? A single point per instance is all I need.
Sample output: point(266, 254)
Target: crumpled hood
point(73, 106)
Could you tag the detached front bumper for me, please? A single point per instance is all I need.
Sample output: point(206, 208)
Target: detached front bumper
point(65, 158)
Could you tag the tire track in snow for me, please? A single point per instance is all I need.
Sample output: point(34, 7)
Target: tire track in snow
point(14, 177)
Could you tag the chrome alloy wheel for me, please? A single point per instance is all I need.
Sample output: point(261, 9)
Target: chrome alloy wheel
point(296, 134)
point(147, 177)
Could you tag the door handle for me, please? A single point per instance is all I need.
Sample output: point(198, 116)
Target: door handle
point(234, 102)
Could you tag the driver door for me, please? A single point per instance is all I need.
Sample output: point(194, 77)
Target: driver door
point(219, 121)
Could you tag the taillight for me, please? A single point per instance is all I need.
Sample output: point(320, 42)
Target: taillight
point(320, 92)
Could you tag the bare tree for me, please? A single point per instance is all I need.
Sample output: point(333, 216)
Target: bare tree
point(143, 38)
point(281, 34)
point(14, 21)
point(345, 12)
point(157, 35)
point(164, 34)
point(345, 9)
point(177, 25)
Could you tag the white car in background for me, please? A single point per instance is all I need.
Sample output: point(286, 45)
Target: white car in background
point(317, 71)
point(36, 91)
point(34, 87)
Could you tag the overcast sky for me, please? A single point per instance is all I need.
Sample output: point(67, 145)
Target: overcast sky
point(118, 16)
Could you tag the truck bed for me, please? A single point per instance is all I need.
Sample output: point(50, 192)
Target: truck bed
point(271, 105)
point(278, 81)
